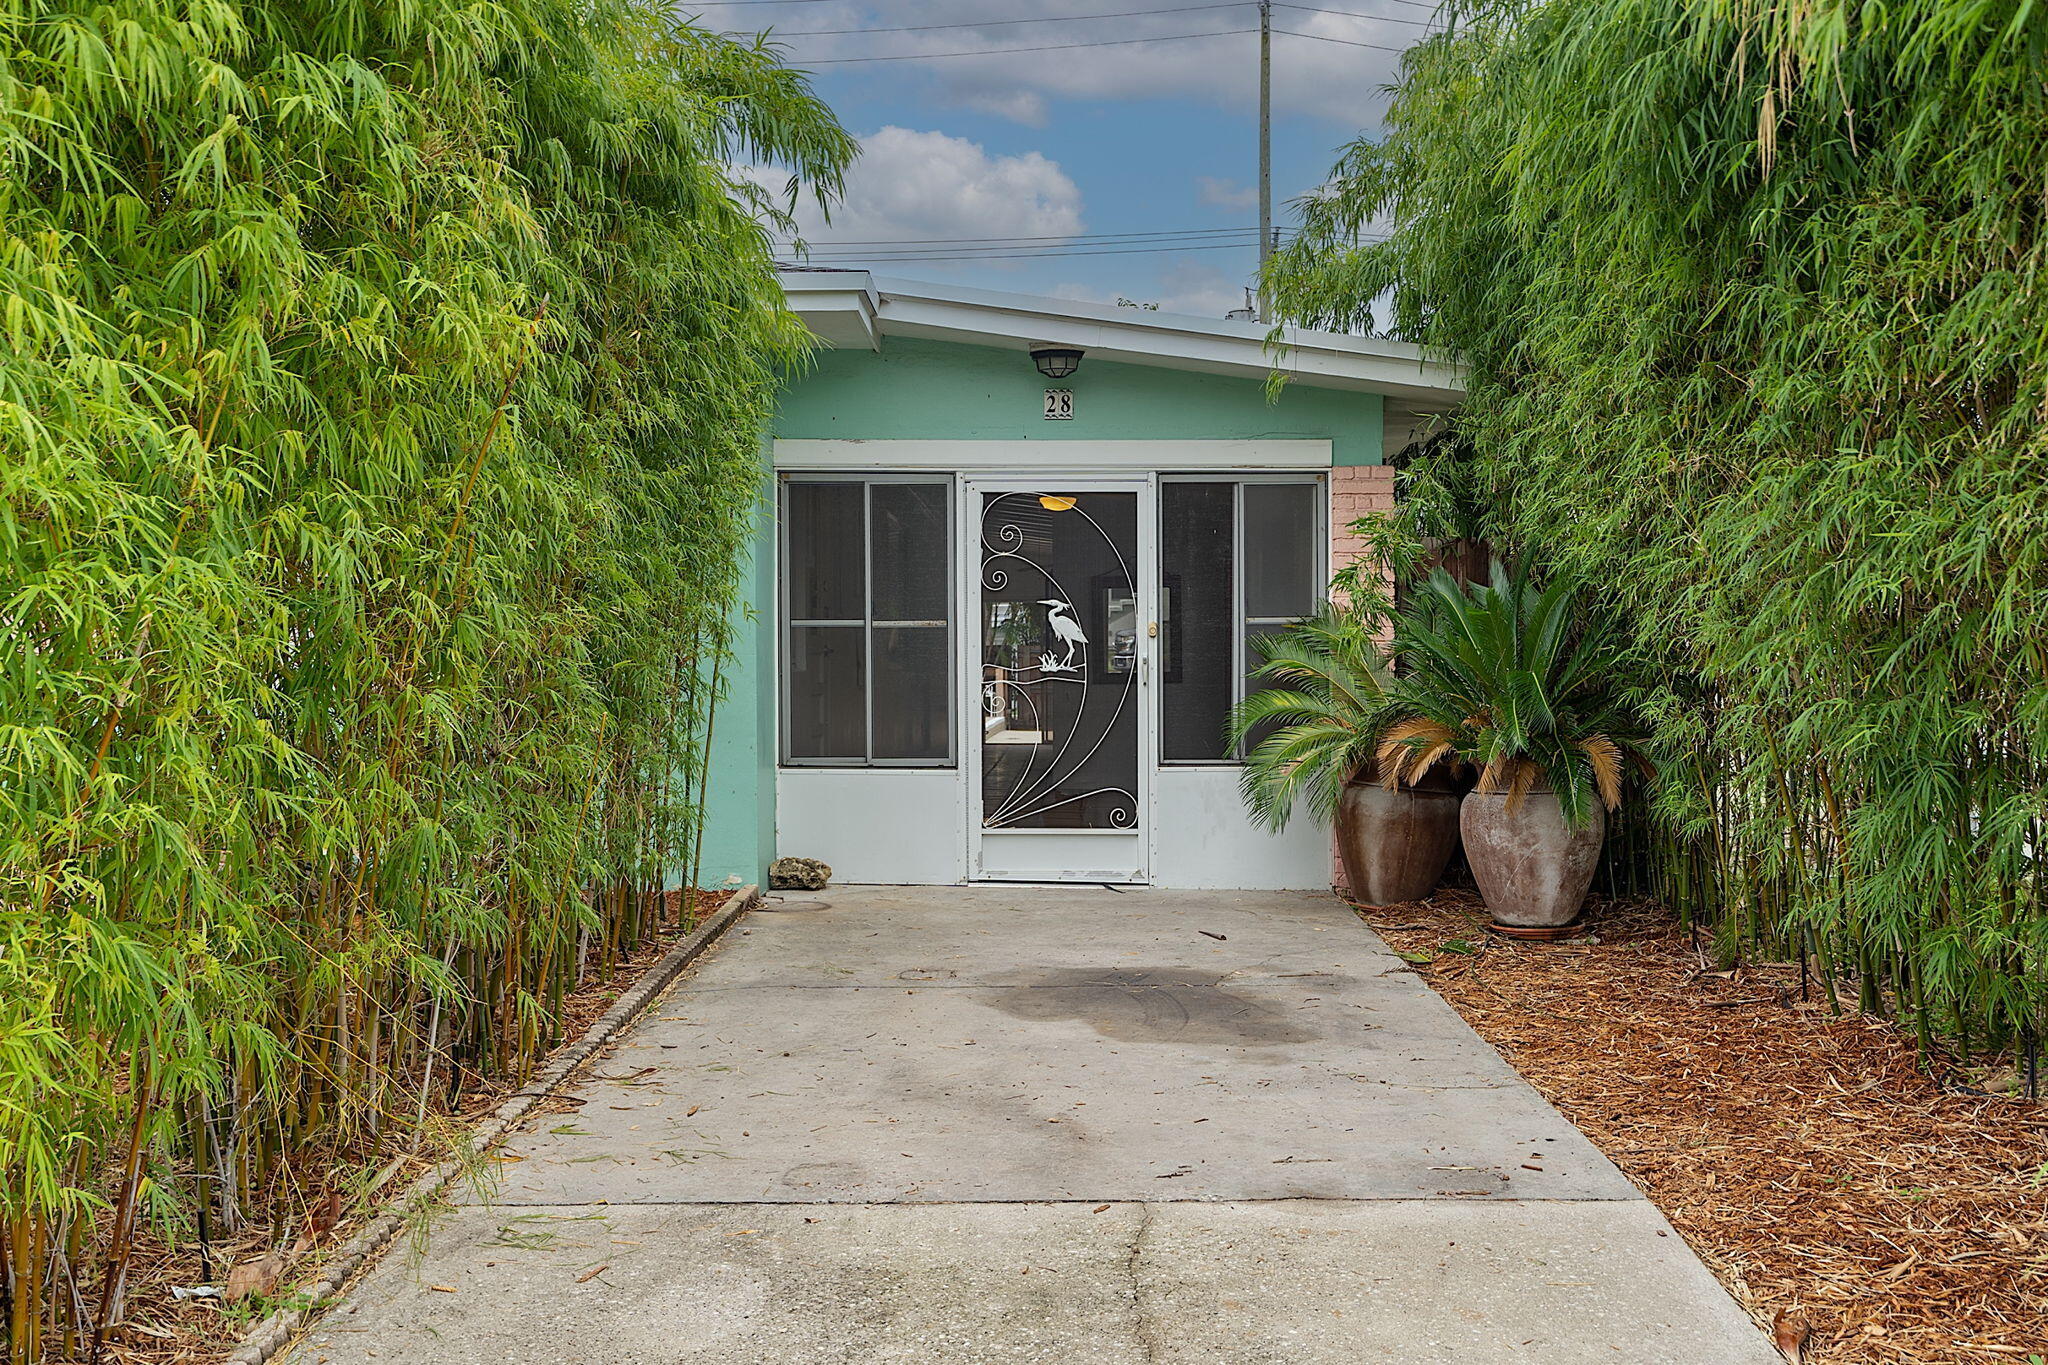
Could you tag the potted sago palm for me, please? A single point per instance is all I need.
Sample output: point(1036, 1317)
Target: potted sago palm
point(1311, 739)
point(1507, 678)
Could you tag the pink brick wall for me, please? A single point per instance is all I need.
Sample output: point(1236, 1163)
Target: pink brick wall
point(1358, 490)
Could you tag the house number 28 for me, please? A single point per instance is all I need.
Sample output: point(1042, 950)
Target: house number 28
point(1059, 405)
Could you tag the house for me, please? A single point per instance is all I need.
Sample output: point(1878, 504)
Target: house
point(1006, 583)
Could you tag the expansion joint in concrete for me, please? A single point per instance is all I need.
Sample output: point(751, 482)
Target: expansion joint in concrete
point(1143, 1328)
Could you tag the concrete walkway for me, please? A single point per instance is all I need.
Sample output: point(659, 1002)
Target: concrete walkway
point(1036, 1125)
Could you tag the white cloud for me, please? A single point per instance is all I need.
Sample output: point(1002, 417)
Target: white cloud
point(1333, 80)
point(1198, 288)
point(1226, 193)
point(1180, 285)
point(1019, 106)
point(1081, 293)
point(912, 186)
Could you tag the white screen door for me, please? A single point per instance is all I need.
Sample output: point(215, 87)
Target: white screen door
point(1062, 658)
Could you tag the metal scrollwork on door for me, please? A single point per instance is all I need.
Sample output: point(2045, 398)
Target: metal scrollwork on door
point(1032, 646)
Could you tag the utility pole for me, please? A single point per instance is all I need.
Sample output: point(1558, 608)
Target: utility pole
point(1265, 154)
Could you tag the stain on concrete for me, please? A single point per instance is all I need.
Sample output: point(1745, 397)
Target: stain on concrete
point(1145, 1005)
point(827, 1176)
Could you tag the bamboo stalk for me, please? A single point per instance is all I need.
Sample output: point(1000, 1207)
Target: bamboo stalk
point(696, 877)
point(113, 1278)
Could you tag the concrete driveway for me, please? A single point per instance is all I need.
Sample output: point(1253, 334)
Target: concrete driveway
point(1062, 1125)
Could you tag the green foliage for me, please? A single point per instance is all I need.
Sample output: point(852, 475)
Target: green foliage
point(1439, 517)
point(381, 409)
point(1751, 298)
point(1508, 679)
point(1319, 726)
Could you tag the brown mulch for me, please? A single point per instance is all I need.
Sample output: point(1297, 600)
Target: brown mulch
point(158, 1329)
point(1824, 1174)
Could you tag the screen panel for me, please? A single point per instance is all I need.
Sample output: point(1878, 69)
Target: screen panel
point(1281, 552)
point(867, 664)
point(908, 556)
point(827, 688)
point(912, 693)
point(825, 528)
point(1058, 623)
point(1197, 557)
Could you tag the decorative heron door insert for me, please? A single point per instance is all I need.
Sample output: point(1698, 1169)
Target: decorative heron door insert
point(1063, 679)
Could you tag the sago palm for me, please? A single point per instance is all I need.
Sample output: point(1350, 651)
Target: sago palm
point(1506, 677)
point(1320, 723)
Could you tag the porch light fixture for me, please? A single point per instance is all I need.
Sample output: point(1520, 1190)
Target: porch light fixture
point(1056, 362)
point(1054, 503)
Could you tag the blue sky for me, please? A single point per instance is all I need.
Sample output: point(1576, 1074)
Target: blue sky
point(1157, 136)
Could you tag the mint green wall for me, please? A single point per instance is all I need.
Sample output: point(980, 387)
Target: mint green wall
point(931, 390)
point(934, 390)
point(739, 836)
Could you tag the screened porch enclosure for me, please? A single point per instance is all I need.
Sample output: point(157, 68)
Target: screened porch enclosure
point(1005, 675)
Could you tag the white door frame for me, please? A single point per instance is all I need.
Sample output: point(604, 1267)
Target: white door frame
point(1053, 855)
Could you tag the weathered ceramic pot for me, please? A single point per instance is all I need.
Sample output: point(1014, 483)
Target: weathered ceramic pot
point(1394, 844)
point(1532, 868)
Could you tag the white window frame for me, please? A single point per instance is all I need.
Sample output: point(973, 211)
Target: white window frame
point(787, 624)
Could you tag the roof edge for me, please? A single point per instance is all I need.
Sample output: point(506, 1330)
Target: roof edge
point(854, 307)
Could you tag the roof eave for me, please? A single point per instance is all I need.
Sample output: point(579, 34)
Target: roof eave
point(853, 308)
point(841, 307)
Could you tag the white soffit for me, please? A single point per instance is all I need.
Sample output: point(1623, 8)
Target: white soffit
point(839, 312)
point(848, 308)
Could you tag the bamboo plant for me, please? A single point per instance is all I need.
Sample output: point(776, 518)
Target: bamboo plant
point(1748, 299)
point(379, 433)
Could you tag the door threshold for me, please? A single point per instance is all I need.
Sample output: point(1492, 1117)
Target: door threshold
point(1112, 882)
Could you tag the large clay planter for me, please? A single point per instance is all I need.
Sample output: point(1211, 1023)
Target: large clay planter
point(1532, 868)
point(1394, 844)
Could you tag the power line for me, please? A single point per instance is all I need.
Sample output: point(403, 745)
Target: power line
point(1047, 252)
point(853, 262)
point(1433, 6)
point(997, 23)
point(1002, 51)
point(823, 249)
point(1070, 47)
point(1355, 14)
point(740, 4)
point(1078, 18)
point(1046, 255)
point(849, 259)
point(830, 253)
point(969, 248)
point(1347, 42)
point(1031, 243)
point(1055, 237)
